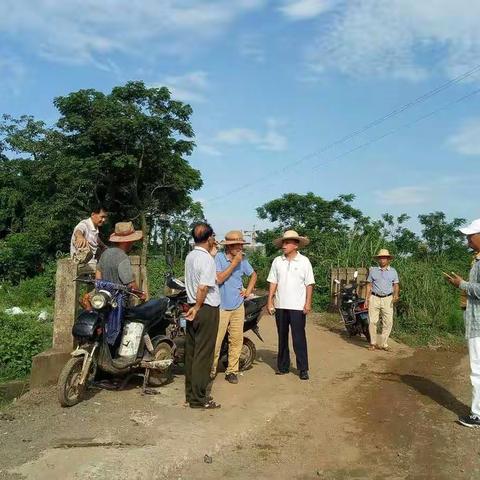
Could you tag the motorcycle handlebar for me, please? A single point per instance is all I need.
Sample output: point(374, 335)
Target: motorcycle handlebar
point(123, 288)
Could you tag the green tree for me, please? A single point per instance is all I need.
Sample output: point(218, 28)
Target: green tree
point(440, 235)
point(126, 149)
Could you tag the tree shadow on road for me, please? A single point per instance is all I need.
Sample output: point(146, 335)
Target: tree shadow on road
point(430, 389)
point(435, 392)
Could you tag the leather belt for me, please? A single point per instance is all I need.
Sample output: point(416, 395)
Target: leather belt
point(382, 296)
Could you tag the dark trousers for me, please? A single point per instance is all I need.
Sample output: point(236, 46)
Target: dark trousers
point(199, 350)
point(295, 319)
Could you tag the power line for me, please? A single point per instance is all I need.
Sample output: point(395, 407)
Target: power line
point(421, 99)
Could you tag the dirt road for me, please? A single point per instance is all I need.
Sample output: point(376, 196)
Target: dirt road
point(362, 415)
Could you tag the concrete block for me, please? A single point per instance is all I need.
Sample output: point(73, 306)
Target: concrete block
point(46, 367)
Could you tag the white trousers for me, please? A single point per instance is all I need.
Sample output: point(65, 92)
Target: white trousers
point(474, 354)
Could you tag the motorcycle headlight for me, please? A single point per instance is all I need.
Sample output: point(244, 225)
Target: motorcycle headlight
point(98, 300)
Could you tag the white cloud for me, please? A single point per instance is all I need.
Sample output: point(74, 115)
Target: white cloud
point(12, 73)
point(390, 39)
point(208, 149)
point(305, 9)
point(411, 195)
point(190, 87)
point(467, 140)
point(251, 46)
point(86, 31)
point(271, 139)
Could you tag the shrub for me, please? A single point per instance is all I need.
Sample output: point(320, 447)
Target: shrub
point(38, 291)
point(22, 337)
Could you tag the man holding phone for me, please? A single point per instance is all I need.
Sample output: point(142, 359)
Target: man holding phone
point(472, 319)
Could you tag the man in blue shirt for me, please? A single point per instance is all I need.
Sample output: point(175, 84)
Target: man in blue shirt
point(231, 268)
point(382, 293)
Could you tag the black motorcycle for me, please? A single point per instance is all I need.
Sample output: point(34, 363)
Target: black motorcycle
point(139, 347)
point(254, 307)
point(352, 309)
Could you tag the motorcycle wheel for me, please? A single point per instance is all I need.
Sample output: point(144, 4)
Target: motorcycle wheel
point(366, 331)
point(163, 351)
point(68, 391)
point(247, 355)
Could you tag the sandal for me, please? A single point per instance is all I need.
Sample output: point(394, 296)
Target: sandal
point(372, 347)
point(207, 406)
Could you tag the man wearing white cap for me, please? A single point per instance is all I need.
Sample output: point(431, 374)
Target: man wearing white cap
point(472, 319)
point(291, 285)
point(382, 293)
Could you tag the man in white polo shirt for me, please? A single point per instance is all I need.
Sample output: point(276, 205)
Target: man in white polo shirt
point(290, 298)
point(202, 318)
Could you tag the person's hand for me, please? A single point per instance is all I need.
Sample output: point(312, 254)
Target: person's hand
point(395, 299)
point(237, 259)
point(270, 308)
point(80, 241)
point(307, 309)
point(191, 314)
point(365, 303)
point(454, 279)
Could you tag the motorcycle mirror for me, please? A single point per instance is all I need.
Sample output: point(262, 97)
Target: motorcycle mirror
point(355, 274)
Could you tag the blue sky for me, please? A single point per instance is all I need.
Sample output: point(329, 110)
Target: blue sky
point(272, 83)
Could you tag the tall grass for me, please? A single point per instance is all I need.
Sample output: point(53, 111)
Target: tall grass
point(429, 308)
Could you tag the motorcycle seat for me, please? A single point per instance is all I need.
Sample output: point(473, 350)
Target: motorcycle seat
point(148, 311)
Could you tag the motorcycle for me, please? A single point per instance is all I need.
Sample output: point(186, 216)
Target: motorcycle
point(138, 349)
point(254, 307)
point(352, 309)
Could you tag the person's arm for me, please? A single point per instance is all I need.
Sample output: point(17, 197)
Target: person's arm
point(98, 275)
point(272, 279)
point(368, 291)
point(308, 301)
point(251, 285)
point(202, 291)
point(79, 234)
point(396, 292)
point(223, 276)
point(309, 284)
point(271, 293)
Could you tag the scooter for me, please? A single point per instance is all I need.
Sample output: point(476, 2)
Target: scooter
point(352, 309)
point(254, 307)
point(135, 351)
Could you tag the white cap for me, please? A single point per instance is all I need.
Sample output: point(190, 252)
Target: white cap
point(471, 229)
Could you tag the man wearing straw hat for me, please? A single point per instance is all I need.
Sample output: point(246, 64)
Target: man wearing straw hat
point(290, 298)
point(114, 265)
point(231, 268)
point(382, 293)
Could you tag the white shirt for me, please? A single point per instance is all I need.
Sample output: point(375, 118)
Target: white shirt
point(90, 232)
point(292, 278)
point(200, 269)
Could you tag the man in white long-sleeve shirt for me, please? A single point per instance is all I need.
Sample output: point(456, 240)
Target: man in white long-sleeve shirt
point(472, 320)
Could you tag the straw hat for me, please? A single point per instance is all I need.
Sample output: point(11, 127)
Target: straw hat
point(383, 252)
point(124, 232)
point(291, 235)
point(234, 237)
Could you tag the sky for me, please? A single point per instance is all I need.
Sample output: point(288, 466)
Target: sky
point(372, 97)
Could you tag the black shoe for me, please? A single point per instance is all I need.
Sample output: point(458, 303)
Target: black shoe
point(231, 378)
point(304, 375)
point(281, 372)
point(471, 421)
